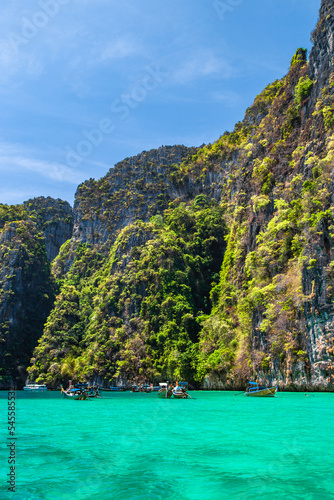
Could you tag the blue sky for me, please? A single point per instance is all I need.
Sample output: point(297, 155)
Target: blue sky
point(86, 83)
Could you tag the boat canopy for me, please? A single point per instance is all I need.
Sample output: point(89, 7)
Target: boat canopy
point(253, 383)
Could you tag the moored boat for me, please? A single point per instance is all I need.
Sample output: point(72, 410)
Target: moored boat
point(114, 388)
point(35, 387)
point(110, 389)
point(165, 391)
point(80, 392)
point(144, 388)
point(75, 395)
point(179, 391)
point(255, 390)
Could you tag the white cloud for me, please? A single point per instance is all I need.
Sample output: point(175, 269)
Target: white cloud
point(18, 64)
point(200, 65)
point(15, 159)
point(50, 170)
point(121, 48)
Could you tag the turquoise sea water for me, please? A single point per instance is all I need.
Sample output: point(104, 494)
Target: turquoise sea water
point(131, 446)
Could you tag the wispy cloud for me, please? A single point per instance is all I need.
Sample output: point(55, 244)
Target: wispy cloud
point(50, 170)
point(203, 64)
point(15, 159)
point(121, 48)
point(17, 64)
point(24, 30)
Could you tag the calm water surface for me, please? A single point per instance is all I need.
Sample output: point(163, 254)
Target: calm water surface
point(137, 447)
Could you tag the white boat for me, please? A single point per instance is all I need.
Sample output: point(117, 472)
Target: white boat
point(35, 387)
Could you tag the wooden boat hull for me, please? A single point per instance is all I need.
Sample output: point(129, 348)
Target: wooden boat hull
point(262, 393)
point(181, 396)
point(76, 397)
point(112, 389)
point(162, 394)
point(172, 395)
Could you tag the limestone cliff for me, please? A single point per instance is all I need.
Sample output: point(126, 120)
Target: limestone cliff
point(136, 188)
point(55, 219)
point(26, 296)
point(275, 300)
point(30, 236)
point(216, 263)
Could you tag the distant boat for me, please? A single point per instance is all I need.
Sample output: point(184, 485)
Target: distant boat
point(35, 387)
point(144, 388)
point(74, 395)
point(165, 391)
point(80, 392)
point(181, 392)
point(169, 392)
point(113, 389)
point(255, 390)
point(109, 389)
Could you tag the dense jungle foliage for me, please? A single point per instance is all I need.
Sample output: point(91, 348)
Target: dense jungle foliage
point(135, 315)
point(169, 306)
point(27, 287)
point(210, 264)
point(27, 291)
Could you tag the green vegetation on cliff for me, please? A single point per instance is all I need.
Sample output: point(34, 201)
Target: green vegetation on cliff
point(133, 315)
point(213, 264)
point(26, 294)
point(29, 235)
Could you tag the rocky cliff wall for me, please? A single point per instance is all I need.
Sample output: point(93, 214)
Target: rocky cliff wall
point(55, 219)
point(280, 260)
point(31, 235)
point(137, 188)
point(26, 297)
point(272, 303)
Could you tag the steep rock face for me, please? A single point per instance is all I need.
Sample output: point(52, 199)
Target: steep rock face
point(133, 314)
point(142, 297)
point(55, 219)
point(321, 56)
point(275, 300)
point(316, 318)
point(26, 296)
point(136, 188)
point(30, 237)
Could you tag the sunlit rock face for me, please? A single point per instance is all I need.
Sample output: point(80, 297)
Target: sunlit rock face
point(268, 307)
point(55, 219)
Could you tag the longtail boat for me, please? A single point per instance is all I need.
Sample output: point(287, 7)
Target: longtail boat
point(255, 390)
point(170, 392)
point(114, 388)
point(165, 391)
point(181, 391)
point(82, 396)
point(109, 389)
point(80, 392)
